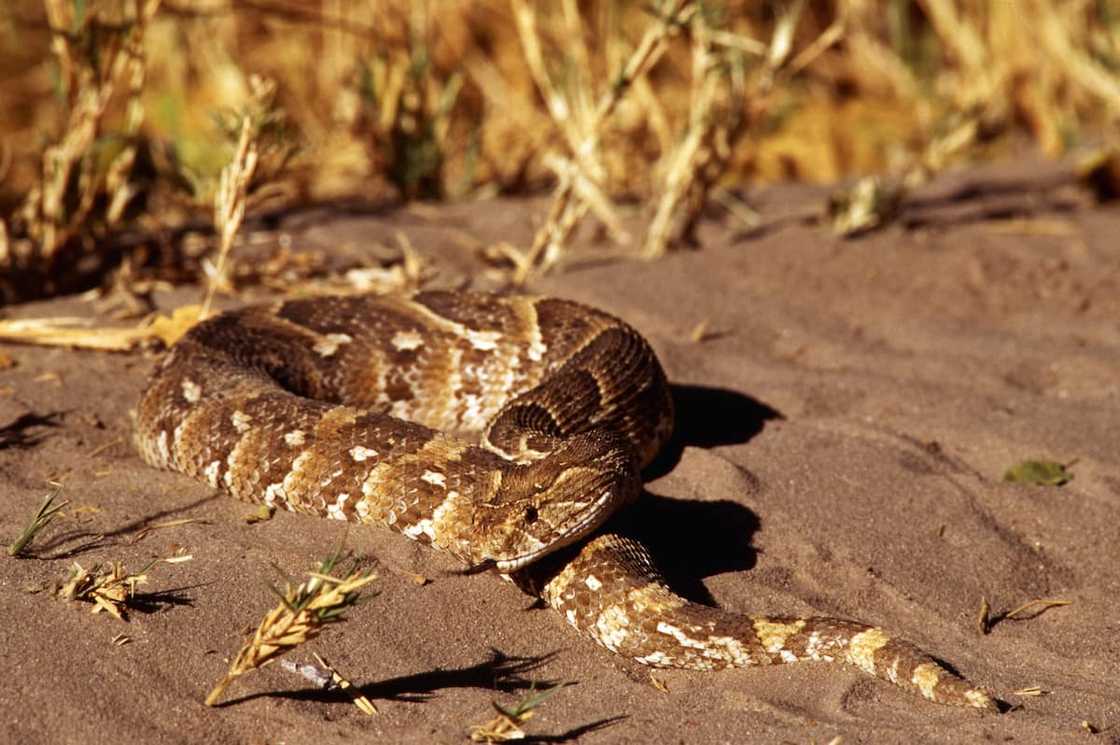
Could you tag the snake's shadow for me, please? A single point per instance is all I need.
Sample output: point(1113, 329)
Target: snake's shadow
point(26, 431)
point(499, 672)
point(707, 418)
point(692, 539)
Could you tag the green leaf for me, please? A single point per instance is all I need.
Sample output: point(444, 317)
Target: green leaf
point(1039, 473)
point(527, 704)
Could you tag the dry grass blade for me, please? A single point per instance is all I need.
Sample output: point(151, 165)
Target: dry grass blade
point(986, 620)
point(80, 194)
point(364, 704)
point(673, 15)
point(831, 35)
point(324, 676)
point(229, 206)
point(869, 204)
point(737, 208)
point(960, 37)
point(110, 588)
point(1081, 68)
point(723, 108)
point(1030, 691)
point(1035, 608)
point(67, 332)
point(526, 19)
point(683, 162)
point(143, 532)
point(507, 725)
point(262, 153)
point(168, 329)
point(704, 331)
point(105, 446)
point(984, 617)
point(304, 611)
point(42, 518)
point(590, 193)
point(78, 333)
point(579, 187)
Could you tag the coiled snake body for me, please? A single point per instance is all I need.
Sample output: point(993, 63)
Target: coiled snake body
point(501, 429)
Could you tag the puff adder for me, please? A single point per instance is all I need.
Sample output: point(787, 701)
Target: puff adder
point(499, 428)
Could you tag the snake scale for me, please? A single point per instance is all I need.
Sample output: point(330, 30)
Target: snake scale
point(503, 429)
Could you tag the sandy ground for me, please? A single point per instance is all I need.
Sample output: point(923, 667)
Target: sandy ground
point(842, 437)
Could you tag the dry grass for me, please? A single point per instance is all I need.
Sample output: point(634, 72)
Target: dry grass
point(81, 333)
point(621, 107)
point(1031, 609)
point(305, 610)
point(83, 183)
point(109, 587)
point(325, 676)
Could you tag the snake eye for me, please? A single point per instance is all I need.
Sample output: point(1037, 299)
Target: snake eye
point(531, 515)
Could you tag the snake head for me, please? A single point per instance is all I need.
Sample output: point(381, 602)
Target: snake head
point(543, 506)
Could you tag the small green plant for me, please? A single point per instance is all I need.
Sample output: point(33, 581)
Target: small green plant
point(47, 512)
point(507, 725)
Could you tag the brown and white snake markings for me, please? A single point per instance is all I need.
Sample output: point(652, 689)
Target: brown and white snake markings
point(500, 429)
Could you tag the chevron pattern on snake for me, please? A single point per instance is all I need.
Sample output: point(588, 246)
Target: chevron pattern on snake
point(502, 429)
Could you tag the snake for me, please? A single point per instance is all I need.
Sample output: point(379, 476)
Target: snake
point(503, 429)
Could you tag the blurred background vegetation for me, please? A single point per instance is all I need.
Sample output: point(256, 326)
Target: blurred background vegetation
point(120, 115)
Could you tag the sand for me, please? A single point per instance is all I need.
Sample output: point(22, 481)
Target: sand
point(844, 429)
